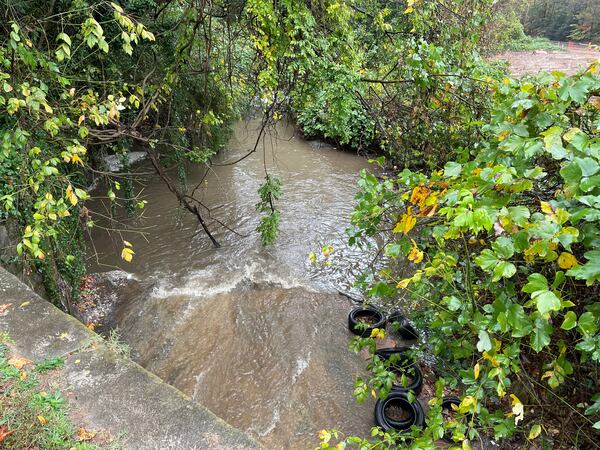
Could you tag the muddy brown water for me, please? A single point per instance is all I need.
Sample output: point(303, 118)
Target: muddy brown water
point(258, 335)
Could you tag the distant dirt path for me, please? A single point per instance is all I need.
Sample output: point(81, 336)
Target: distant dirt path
point(570, 60)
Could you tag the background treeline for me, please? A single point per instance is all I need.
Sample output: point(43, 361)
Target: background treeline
point(576, 20)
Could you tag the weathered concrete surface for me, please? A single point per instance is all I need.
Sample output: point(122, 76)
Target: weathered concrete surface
point(107, 390)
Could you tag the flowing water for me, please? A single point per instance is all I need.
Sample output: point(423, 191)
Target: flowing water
point(258, 335)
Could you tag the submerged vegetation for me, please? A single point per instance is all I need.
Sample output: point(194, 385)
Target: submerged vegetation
point(491, 187)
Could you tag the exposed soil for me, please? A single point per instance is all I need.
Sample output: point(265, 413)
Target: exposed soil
point(396, 412)
point(447, 414)
point(366, 318)
point(400, 370)
point(573, 58)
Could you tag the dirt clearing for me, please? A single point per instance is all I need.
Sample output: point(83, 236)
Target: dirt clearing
point(569, 60)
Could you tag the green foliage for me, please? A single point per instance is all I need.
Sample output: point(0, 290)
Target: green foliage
point(268, 227)
point(34, 418)
point(505, 250)
point(529, 44)
point(398, 78)
point(577, 20)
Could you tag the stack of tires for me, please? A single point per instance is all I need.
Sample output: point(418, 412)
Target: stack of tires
point(396, 411)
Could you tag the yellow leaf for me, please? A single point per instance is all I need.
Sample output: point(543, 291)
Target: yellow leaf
point(127, 254)
point(468, 404)
point(22, 375)
point(378, 333)
point(71, 195)
point(419, 195)
point(409, 10)
point(327, 250)
point(42, 420)
point(75, 159)
point(566, 260)
point(85, 435)
point(402, 284)
point(535, 431)
point(406, 223)
point(546, 208)
point(476, 371)
point(466, 445)
point(415, 254)
point(18, 362)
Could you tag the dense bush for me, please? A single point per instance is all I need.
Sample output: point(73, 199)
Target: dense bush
point(503, 247)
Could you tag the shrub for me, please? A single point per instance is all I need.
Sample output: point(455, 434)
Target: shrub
point(504, 265)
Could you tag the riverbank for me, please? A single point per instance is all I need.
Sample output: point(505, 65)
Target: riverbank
point(105, 390)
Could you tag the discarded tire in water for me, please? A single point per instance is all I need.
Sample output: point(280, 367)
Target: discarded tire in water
point(369, 316)
point(402, 363)
point(398, 413)
point(403, 326)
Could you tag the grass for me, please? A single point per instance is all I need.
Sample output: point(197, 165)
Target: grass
point(31, 418)
point(530, 43)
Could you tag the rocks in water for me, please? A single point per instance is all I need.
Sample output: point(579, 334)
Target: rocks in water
point(114, 163)
point(100, 295)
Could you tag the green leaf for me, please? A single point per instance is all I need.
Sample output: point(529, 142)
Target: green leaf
point(541, 334)
point(553, 142)
point(518, 320)
point(578, 91)
point(571, 173)
point(503, 247)
point(484, 344)
point(570, 321)
point(590, 271)
point(587, 323)
point(64, 37)
point(588, 166)
point(519, 214)
point(546, 301)
point(535, 431)
point(487, 259)
point(504, 269)
point(452, 169)
point(536, 282)
point(393, 250)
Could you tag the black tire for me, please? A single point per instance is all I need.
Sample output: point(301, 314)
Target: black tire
point(405, 329)
point(378, 318)
point(416, 416)
point(416, 378)
point(447, 403)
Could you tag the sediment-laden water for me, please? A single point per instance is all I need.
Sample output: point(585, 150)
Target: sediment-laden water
point(258, 335)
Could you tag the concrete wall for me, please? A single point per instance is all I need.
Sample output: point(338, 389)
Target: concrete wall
point(106, 390)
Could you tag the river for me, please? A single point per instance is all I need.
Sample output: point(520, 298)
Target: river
point(258, 335)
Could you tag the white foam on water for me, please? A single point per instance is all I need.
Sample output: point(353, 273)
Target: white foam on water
point(301, 366)
point(206, 283)
point(271, 426)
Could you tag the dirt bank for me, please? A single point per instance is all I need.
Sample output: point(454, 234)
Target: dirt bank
point(569, 60)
